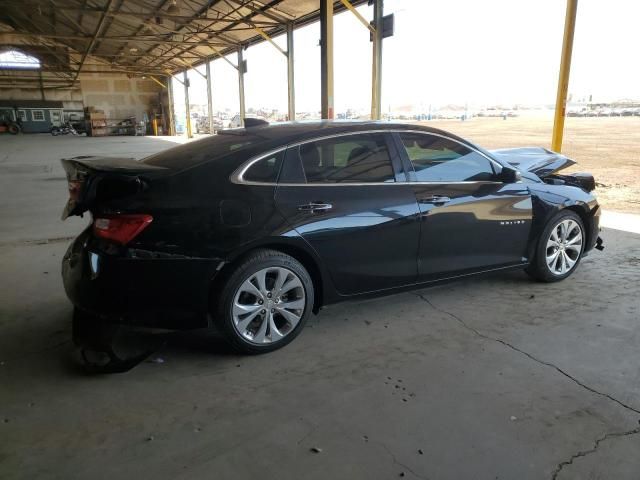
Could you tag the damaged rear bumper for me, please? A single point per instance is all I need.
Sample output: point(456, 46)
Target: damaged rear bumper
point(149, 292)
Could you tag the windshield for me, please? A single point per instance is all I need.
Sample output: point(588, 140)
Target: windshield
point(206, 149)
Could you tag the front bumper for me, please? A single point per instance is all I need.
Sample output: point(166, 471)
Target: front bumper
point(153, 292)
point(593, 235)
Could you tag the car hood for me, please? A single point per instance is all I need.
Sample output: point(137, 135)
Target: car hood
point(537, 160)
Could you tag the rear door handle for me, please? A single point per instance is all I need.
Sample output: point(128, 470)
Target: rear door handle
point(435, 199)
point(313, 207)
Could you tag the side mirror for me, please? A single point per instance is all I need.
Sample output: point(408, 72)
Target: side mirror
point(509, 175)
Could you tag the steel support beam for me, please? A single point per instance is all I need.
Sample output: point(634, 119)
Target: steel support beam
point(92, 43)
point(172, 126)
point(290, 75)
point(186, 103)
point(241, 84)
point(326, 59)
point(157, 81)
point(563, 77)
point(209, 95)
point(376, 64)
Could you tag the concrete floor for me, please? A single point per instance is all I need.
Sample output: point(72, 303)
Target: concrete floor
point(492, 377)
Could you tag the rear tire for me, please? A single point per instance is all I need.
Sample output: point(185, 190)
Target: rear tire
point(264, 303)
point(559, 248)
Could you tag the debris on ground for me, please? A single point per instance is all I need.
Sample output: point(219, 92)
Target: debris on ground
point(532, 296)
point(315, 450)
point(513, 419)
point(420, 451)
point(157, 360)
point(150, 438)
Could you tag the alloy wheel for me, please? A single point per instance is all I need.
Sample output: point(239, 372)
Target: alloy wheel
point(564, 247)
point(268, 305)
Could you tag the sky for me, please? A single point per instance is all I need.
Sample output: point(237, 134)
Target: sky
point(488, 52)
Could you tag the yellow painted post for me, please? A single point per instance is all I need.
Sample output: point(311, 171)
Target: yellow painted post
point(171, 124)
point(563, 78)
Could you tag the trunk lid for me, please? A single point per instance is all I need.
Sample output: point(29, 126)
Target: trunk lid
point(93, 180)
point(536, 160)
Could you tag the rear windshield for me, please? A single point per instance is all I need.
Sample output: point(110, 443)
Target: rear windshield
point(206, 149)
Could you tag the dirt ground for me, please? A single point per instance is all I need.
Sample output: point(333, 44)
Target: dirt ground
point(607, 147)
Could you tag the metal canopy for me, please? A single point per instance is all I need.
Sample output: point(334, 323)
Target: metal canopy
point(138, 37)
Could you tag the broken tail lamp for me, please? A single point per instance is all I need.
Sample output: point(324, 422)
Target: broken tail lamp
point(120, 229)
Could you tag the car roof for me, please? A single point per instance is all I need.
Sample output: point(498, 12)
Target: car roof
point(286, 132)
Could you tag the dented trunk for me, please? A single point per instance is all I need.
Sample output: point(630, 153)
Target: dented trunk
point(546, 165)
point(99, 180)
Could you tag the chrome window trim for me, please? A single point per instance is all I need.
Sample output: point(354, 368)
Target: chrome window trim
point(237, 176)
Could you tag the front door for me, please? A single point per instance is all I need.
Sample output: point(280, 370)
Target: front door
point(346, 197)
point(470, 220)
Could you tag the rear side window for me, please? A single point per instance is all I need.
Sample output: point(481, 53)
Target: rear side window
point(437, 159)
point(265, 170)
point(361, 158)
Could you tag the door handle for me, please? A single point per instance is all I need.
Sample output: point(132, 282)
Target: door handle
point(435, 199)
point(313, 207)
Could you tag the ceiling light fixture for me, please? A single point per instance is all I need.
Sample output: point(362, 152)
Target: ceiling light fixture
point(173, 8)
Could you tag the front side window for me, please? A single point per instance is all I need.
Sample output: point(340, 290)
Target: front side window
point(22, 115)
point(360, 158)
point(265, 170)
point(437, 159)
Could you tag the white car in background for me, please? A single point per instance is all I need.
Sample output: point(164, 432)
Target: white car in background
point(236, 122)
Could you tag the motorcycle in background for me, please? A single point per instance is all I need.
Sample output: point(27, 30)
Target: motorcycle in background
point(63, 129)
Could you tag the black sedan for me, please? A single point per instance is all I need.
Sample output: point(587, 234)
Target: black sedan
point(255, 228)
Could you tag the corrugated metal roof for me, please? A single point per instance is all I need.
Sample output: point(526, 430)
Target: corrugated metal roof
point(143, 36)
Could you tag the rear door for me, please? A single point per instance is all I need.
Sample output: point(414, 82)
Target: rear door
point(470, 220)
point(347, 197)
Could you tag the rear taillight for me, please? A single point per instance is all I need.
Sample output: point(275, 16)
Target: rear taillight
point(120, 228)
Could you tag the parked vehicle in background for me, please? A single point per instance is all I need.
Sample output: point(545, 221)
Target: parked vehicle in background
point(236, 121)
point(253, 229)
point(10, 126)
point(202, 125)
point(64, 129)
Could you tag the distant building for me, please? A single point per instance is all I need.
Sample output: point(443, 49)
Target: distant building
point(35, 116)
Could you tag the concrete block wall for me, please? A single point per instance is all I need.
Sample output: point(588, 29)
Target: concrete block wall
point(119, 96)
point(116, 93)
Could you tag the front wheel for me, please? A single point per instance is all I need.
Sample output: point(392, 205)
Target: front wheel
point(264, 304)
point(559, 248)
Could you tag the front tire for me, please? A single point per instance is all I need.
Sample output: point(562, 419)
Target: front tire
point(559, 249)
point(265, 302)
